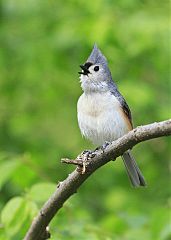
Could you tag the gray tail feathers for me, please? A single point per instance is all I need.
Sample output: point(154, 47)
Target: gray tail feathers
point(133, 170)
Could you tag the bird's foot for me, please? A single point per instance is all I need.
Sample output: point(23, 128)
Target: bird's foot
point(103, 147)
point(85, 157)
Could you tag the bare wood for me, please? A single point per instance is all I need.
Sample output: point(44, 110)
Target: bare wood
point(70, 161)
point(70, 185)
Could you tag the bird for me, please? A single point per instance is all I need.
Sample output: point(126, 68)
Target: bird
point(102, 112)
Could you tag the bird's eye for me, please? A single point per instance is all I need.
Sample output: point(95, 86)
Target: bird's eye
point(96, 68)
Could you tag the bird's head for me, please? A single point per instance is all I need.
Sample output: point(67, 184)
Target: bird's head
point(95, 74)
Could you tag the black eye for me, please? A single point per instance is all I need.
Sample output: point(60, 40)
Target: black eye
point(96, 68)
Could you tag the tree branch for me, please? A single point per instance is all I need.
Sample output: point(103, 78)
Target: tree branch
point(69, 186)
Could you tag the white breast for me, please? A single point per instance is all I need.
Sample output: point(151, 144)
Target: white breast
point(100, 117)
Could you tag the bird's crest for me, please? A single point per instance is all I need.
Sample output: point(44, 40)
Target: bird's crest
point(96, 57)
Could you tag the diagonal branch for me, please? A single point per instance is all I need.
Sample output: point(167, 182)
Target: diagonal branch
point(70, 185)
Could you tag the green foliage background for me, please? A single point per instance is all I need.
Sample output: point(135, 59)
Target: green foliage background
point(42, 44)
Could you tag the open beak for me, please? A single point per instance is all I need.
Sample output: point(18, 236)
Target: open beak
point(85, 70)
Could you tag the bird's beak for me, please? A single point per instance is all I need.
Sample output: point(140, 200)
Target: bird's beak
point(85, 70)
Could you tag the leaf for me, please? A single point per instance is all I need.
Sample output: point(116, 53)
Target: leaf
point(14, 214)
point(41, 192)
point(7, 168)
point(33, 209)
point(166, 232)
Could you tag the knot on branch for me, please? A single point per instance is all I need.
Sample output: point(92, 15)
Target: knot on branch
point(45, 235)
point(82, 161)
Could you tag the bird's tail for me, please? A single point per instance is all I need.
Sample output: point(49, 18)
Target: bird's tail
point(133, 170)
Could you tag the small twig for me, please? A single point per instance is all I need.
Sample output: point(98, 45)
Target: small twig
point(71, 161)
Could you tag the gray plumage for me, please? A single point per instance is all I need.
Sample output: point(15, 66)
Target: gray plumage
point(96, 57)
point(133, 170)
point(103, 114)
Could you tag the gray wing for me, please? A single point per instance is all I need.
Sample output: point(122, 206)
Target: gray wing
point(132, 168)
point(118, 95)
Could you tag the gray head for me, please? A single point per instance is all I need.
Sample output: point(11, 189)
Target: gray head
point(95, 74)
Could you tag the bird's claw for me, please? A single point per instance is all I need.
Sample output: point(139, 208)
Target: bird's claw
point(86, 157)
point(103, 147)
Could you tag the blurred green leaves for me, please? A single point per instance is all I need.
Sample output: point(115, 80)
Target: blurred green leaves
point(41, 192)
point(42, 45)
point(20, 211)
point(7, 167)
point(16, 216)
point(13, 215)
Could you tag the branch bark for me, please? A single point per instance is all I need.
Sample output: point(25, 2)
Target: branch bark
point(38, 228)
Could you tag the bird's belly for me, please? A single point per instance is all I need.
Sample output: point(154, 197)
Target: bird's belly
point(100, 125)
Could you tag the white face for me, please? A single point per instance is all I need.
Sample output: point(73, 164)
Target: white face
point(95, 80)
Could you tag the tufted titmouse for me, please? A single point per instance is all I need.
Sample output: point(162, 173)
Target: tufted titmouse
point(103, 114)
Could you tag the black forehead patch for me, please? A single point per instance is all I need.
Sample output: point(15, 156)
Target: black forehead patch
point(88, 64)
